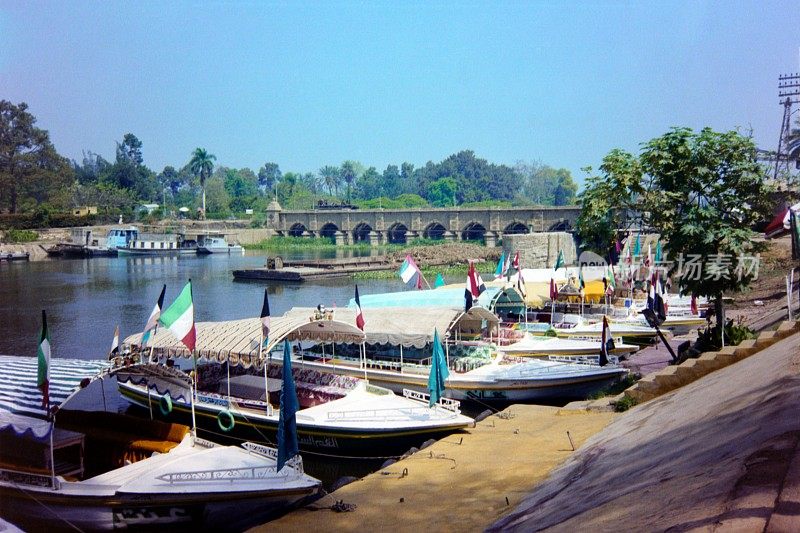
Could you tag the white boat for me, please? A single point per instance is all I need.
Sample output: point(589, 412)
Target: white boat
point(541, 346)
point(195, 484)
point(342, 414)
point(577, 327)
point(218, 245)
point(396, 342)
point(338, 413)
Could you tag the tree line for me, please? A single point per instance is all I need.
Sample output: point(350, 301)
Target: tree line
point(34, 176)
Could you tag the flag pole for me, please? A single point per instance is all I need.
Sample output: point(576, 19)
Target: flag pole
point(52, 453)
point(193, 389)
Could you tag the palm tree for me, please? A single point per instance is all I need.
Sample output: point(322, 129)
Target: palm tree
point(201, 165)
point(330, 177)
point(348, 173)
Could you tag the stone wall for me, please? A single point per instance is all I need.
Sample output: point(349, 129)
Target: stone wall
point(540, 250)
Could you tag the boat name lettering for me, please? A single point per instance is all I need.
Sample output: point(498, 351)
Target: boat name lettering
point(128, 516)
point(486, 395)
point(212, 400)
point(319, 442)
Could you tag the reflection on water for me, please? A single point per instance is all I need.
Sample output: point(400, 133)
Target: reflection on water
point(86, 299)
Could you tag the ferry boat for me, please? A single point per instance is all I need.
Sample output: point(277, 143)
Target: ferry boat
point(217, 244)
point(155, 244)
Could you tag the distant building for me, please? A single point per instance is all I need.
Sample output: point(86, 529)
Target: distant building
point(83, 211)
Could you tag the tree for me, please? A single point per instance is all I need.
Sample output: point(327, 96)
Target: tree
point(218, 198)
point(565, 189)
point(30, 167)
point(202, 166)
point(606, 199)
point(241, 186)
point(170, 179)
point(268, 176)
point(349, 172)
point(368, 184)
point(330, 177)
point(705, 191)
point(442, 192)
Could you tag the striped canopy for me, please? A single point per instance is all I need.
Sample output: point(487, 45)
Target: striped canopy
point(19, 393)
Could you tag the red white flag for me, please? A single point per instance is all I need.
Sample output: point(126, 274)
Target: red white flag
point(359, 314)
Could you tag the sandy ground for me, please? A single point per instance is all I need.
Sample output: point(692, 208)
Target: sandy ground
point(456, 487)
point(712, 456)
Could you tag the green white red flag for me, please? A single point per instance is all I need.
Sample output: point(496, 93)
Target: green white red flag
point(179, 317)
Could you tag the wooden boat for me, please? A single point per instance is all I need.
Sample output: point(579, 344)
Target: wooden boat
point(577, 327)
point(121, 483)
point(541, 346)
point(478, 371)
point(339, 414)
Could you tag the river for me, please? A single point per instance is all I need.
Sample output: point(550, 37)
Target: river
point(86, 299)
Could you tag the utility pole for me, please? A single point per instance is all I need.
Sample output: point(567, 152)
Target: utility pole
point(789, 93)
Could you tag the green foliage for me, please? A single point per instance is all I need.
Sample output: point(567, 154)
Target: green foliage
point(606, 198)
point(20, 235)
point(617, 387)
point(30, 167)
point(442, 192)
point(625, 403)
point(710, 340)
point(202, 166)
point(544, 185)
point(404, 201)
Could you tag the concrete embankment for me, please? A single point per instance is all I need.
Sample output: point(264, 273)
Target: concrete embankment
point(720, 453)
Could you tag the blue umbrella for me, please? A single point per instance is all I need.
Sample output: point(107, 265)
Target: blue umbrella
point(287, 423)
point(439, 371)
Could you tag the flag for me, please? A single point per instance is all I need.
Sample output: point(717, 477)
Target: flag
point(359, 313)
point(659, 253)
point(410, 273)
point(648, 262)
point(474, 282)
point(520, 280)
point(617, 246)
point(265, 319)
point(43, 356)
point(179, 317)
point(606, 343)
point(659, 306)
point(582, 283)
point(499, 271)
point(637, 246)
point(439, 371)
point(630, 269)
point(612, 283)
point(115, 342)
point(439, 281)
point(467, 300)
point(693, 305)
point(553, 290)
point(152, 322)
point(287, 421)
point(559, 260)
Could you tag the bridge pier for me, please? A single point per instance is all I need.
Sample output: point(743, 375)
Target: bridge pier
point(340, 237)
point(411, 235)
point(450, 236)
point(374, 238)
point(490, 239)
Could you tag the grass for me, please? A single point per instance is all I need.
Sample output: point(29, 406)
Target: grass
point(20, 235)
point(624, 404)
point(429, 272)
point(616, 388)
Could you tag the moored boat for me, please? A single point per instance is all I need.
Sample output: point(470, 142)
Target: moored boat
point(158, 244)
point(217, 244)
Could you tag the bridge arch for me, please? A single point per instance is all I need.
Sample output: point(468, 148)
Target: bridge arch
point(434, 231)
point(361, 232)
point(297, 230)
point(396, 234)
point(561, 225)
point(474, 231)
point(516, 228)
point(329, 230)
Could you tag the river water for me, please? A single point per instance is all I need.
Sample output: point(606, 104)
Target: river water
point(86, 299)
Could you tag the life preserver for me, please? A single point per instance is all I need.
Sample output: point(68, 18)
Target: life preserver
point(225, 420)
point(165, 404)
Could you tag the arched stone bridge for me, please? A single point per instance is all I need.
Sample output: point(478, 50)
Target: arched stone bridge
point(381, 226)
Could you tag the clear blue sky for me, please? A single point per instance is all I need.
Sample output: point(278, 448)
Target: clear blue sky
point(311, 84)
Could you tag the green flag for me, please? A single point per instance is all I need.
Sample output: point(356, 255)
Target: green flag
point(559, 260)
point(439, 281)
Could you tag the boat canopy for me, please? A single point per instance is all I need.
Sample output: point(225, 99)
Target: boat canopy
point(408, 327)
point(238, 341)
point(19, 392)
point(496, 298)
point(24, 426)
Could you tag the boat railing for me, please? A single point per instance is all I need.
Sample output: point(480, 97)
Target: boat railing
point(378, 415)
point(444, 403)
point(593, 360)
point(29, 478)
point(260, 449)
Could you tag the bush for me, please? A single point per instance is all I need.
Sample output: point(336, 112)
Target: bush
point(20, 235)
point(708, 340)
point(625, 403)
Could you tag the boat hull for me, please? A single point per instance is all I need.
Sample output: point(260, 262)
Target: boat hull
point(155, 252)
point(252, 425)
point(227, 511)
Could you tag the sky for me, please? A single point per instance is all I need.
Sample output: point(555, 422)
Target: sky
point(309, 84)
